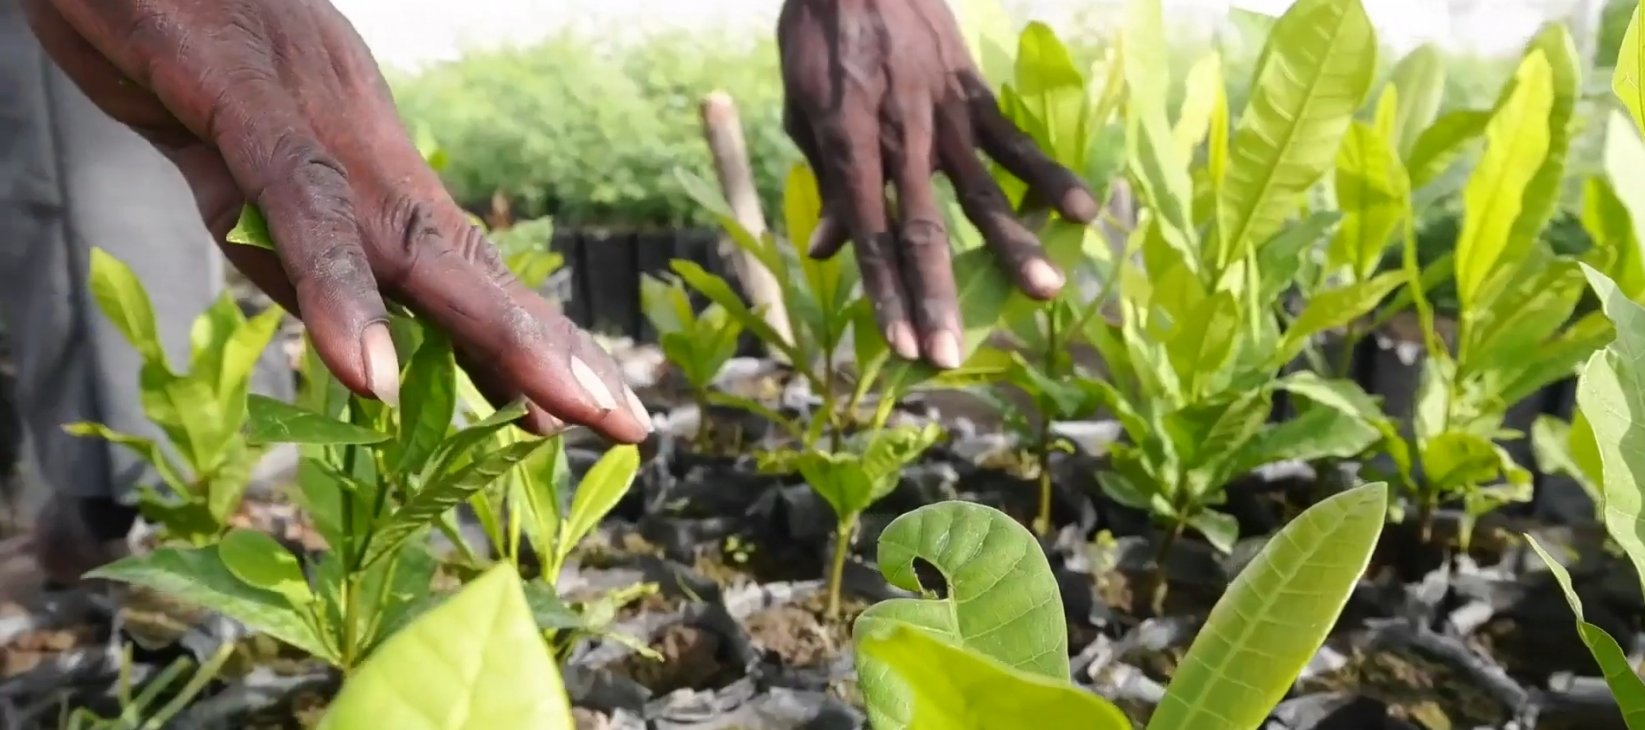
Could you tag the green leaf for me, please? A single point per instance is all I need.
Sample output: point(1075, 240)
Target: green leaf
point(1542, 193)
point(443, 492)
point(262, 562)
point(210, 333)
point(989, 34)
point(1153, 155)
point(1372, 191)
point(1319, 64)
point(719, 292)
point(1555, 445)
point(1611, 394)
point(1274, 616)
point(1515, 148)
point(146, 449)
point(273, 421)
point(951, 688)
point(474, 662)
point(1052, 90)
point(602, 487)
point(1442, 143)
point(1002, 601)
point(1625, 685)
point(839, 479)
point(1205, 89)
point(125, 303)
point(239, 358)
point(1420, 78)
point(430, 401)
point(1614, 209)
point(251, 229)
point(199, 577)
point(189, 413)
point(1336, 308)
point(1628, 81)
point(1221, 530)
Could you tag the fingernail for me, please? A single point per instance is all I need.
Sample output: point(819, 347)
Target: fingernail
point(1041, 276)
point(382, 364)
point(638, 409)
point(901, 338)
point(1080, 205)
point(944, 349)
point(591, 384)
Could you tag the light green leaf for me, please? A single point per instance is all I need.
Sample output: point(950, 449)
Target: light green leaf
point(1373, 192)
point(262, 562)
point(272, 421)
point(240, 355)
point(1204, 88)
point(1628, 81)
point(429, 395)
point(452, 451)
point(251, 229)
point(1542, 193)
point(1319, 64)
point(1625, 685)
point(474, 662)
point(1002, 600)
point(1154, 158)
point(210, 334)
point(1420, 78)
point(1219, 529)
point(199, 577)
point(1555, 445)
point(990, 35)
point(719, 292)
point(1616, 209)
point(1053, 92)
point(1336, 308)
point(189, 413)
point(951, 688)
point(1611, 393)
point(1515, 148)
point(1442, 143)
point(125, 302)
point(1274, 616)
point(144, 448)
point(601, 488)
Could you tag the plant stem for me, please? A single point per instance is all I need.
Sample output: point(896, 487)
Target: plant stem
point(1162, 575)
point(699, 440)
point(828, 401)
point(842, 545)
point(345, 595)
point(1047, 407)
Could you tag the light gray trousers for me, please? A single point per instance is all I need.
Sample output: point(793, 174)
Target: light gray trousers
point(72, 179)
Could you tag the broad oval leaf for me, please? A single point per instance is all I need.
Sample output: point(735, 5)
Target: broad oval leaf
point(1318, 66)
point(1002, 602)
point(1274, 616)
point(272, 422)
point(199, 577)
point(1626, 686)
point(958, 689)
point(474, 662)
point(261, 561)
point(602, 487)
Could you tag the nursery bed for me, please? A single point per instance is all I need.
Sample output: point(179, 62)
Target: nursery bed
point(736, 615)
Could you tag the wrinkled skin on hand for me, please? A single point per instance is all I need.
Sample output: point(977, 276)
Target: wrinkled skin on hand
point(279, 102)
point(885, 91)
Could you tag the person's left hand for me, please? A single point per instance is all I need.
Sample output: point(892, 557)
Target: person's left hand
point(886, 90)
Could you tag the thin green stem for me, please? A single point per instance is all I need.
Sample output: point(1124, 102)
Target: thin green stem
point(843, 534)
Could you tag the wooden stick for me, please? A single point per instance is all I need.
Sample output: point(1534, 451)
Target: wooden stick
point(723, 130)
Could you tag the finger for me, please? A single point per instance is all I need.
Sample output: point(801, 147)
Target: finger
point(926, 261)
point(831, 234)
point(456, 279)
point(499, 393)
point(985, 205)
point(849, 143)
point(304, 195)
point(1004, 141)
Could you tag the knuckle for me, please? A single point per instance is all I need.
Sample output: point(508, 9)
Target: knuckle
point(922, 234)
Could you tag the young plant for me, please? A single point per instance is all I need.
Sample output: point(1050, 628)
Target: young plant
point(698, 344)
point(373, 481)
point(1515, 296)
point(992, 653)
point(200, 410)
point(1194, 354)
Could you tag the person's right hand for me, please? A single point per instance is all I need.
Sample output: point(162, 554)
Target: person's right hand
point(279, 102)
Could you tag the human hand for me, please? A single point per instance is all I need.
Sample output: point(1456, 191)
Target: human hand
point(886, 90)
point(280, 103)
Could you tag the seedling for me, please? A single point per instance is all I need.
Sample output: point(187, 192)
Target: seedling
point(698, 344)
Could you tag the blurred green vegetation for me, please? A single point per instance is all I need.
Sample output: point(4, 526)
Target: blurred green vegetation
point(590, 132)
